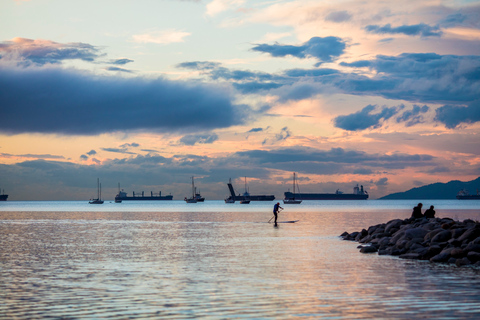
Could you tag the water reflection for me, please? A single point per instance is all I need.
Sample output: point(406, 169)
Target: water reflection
point(142, 265)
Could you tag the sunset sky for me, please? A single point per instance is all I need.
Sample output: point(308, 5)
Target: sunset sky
point(385, 94)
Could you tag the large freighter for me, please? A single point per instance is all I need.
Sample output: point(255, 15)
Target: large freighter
point(465, 195)
point(122, 196)
point(246, 196)
point(358, 194)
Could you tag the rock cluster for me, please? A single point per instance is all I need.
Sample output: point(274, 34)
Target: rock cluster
point(435, 239)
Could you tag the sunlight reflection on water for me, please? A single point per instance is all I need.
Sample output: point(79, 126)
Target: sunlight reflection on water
point(216, 265)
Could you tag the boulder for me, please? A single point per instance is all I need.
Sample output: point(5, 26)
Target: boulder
point(431, 252)
point(368, 249)
point(462, 262)
point(431, 234)
point(458, 253)
point(457, 232)
point(442, 236)
point(393, 224)
point(473, 256)
point(470, 235)
point(441, 257)
point(415, 233)
point(410, 256)
point(472, 247)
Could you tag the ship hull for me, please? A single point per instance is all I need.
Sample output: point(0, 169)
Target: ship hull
point(140, 198)
point(3, 197)
point(253, 198)
point(469, 197)
point(325, 196)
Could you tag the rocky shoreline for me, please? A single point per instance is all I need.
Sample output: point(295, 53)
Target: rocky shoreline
point(435, 239)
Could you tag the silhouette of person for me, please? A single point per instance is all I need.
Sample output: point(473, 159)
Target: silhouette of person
point(430, 213)
point(417, 211)
point(276, 207)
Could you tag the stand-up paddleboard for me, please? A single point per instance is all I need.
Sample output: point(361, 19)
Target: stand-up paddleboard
point(291, 221)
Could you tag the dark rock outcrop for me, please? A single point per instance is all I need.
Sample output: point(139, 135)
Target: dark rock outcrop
point(437, 240)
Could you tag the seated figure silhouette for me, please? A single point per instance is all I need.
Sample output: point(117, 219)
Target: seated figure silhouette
point(417, 211)
point(430, 213)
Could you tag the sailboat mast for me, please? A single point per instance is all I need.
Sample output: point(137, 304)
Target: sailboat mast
point(193, 189)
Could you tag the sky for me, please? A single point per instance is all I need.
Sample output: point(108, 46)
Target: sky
point(148, 93)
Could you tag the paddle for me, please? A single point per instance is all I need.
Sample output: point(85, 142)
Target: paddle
point(274, 215)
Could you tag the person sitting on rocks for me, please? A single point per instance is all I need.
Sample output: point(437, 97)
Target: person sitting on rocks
point(430, 213)
point(417, 211)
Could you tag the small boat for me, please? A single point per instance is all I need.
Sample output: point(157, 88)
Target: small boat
point(193, 199)
point(99, 194)
point(3, 196)
point(246, 195)
point(292, 200)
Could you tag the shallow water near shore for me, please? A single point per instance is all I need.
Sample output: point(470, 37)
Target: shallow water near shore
point(175, 260)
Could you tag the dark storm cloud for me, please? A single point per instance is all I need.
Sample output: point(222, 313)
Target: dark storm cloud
point(338, 16)
point(421, 29)
point(452, 116)
point(382, 182)
point(338, 155)
point(417, 77)
point(255, 87)
point(78, 103)
point(337, 160)
point(118, 150)
point(40, 52)
point(198, 65)
point(324, 49)
point(118, 69)
point(120, 61)
point(414, 116)
point(365, 119)
point(29, 155)
point(193, 139)
point(464, 17)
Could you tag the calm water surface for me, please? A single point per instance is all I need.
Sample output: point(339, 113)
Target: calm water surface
point(213, 260)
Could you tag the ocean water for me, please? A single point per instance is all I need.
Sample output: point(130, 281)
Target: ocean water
point(172, 260)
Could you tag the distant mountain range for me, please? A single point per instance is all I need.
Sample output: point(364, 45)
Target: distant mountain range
point(437, 190)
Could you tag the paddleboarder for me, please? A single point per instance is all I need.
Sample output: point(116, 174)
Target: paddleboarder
point(276, 207)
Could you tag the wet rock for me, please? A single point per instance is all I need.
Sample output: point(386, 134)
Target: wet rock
point(368, 249)
point(441, 257)
point(473, 256)
point(410, 256)
point(462, 262)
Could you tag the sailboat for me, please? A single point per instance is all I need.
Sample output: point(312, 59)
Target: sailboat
point(293, 200)
point(246, 195)
point(193, 199)
point(99, 194)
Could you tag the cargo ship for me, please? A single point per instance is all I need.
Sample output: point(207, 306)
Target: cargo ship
point(122, 196)
point(465, 195)
point(246, 197)
point(358, 194)
point(3, 196)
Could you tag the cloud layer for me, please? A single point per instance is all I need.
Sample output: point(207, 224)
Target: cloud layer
point(77, 103)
